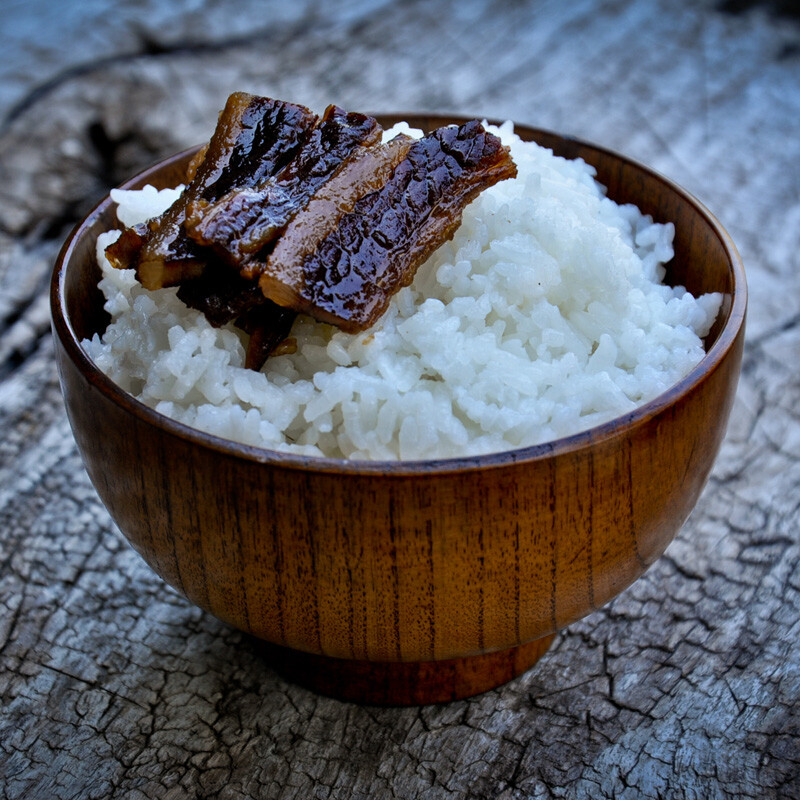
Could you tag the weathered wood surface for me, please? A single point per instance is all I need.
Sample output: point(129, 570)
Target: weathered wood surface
point(686, 686)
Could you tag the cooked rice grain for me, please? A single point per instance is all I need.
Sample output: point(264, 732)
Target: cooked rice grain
point(543, 316)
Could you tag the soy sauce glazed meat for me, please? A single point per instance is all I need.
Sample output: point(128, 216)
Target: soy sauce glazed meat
point(254, 137)
point(287, 212)
point(243, 222)
point(352, 271)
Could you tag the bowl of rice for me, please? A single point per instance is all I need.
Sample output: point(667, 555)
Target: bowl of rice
point(409, 514)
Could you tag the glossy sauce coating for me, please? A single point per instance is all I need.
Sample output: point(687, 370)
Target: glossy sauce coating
point(315, 215)
point(247, 219)
point(255, 137)
point(224, 296)
point(364, 174)
point(375, 249)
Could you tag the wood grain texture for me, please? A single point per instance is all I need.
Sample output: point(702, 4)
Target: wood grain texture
point(392, 562)
point(685, 686)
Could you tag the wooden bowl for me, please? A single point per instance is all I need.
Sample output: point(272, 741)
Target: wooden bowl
point(400, 583)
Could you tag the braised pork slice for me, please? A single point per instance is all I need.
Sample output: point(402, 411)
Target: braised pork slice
point(286, 212)
point(366, 172)
point(247, 219)
point(352, 270)
point(225, 296)
point(255, 137)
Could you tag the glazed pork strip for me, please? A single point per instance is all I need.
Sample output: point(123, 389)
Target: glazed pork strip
point(366, 172)
point(224, 296)
point(247, 219)
point(350, 275)
point(254, 137)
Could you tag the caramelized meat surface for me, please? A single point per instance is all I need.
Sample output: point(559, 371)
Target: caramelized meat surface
point(247, 219)
point(364, 174)
point(255, 137)
point(224, 296)
point(375, 249)
point(124, 253)
point(285, 212)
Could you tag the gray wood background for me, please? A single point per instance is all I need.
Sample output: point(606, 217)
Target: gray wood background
point(686, 686)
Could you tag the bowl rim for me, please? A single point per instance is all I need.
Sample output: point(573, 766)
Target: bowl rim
point(610, 429)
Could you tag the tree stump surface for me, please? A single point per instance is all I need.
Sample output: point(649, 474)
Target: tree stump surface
point(685, 686)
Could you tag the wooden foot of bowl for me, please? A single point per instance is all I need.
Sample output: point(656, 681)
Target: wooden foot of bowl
point(404, 683)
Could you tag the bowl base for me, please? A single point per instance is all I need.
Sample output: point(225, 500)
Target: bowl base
point(400, 683)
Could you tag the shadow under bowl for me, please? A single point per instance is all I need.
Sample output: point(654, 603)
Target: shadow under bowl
point(409, 582)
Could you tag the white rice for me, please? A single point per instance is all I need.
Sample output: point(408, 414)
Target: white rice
point(545, 315)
